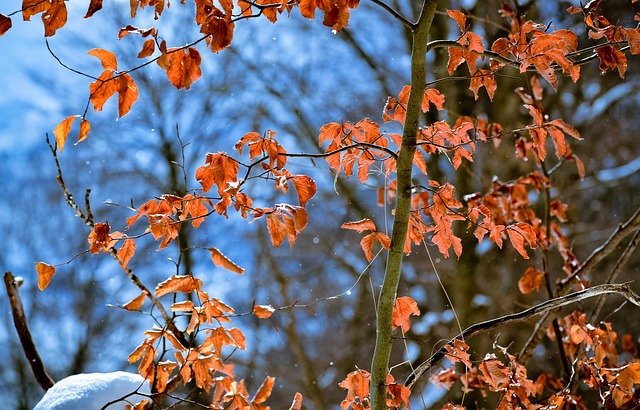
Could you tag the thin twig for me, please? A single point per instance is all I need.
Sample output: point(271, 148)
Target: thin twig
point(550, 305)
point(395, 14)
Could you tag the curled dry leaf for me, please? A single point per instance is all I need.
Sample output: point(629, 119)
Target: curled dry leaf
point(263, 311)
point(45, 273)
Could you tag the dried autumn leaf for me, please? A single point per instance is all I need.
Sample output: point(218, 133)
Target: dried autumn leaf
point(220, 170)
point(94, 6)
point(137, 302)
point(459, 353)
point(61, 131)
point(54, 17)
point(102, 89)
point(106, 57)
point(297, 400)
point(264, 391)
point(519, 234)
point(179, 283)
point(530, 280)
point(148, 48)
point(611, 57)
point(433, 96)
point(127, 94)
point(357, 385)
point(404, 307)
point(459, 18)
point(85, 127)
point(305, 188)
point(369, 240)
point(33, 7)
point(182, 66)
point(483, 78)
point(45, 273)
point(5, 24)
point(495, 374)
point(125, 253)
point(263, 311)
point(99, 238)
point(219, 259)
point(362, 225)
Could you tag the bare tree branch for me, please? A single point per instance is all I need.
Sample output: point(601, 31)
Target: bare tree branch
point(20, 322)
point(548, 306)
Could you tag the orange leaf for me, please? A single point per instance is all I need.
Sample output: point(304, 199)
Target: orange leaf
point(367, 243)
point(99, 238)
point(127, 94)
point(126, 252)
point(182, 66)
point(219, 259)
point(459, 18)
point(360, 226)
point(148, 48)
point(495, 374)
point(264, 391)
point(308, 8)
point(94, 5)
point(54, 17)
point(137, 302)
point(305, 188)
point(45, 273)
point(85, 126)
point(263, 311)
point(402, 309)
point(297, 400)
point(458, 353)
point(102, 89)
point(518, 234)
point(179, 283)
point(357, 385)
point(530, 280)
point(107, 58)
point(611, 57)
point(5, 24)
point(62, 130)
point(219, 169)
point(483, 78)
point(33, 7)
point(431, 95)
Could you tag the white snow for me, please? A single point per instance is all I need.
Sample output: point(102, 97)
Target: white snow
point(93, 391)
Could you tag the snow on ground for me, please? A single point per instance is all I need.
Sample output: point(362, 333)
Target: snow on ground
point(93, 390)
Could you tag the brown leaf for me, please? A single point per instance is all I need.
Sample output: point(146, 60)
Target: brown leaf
point(263, 311)
point(459, 18)
point(182, 66)
point(61, 131)
point(99, 238)
point(94, 6)
point(264, 391)
point(102, 89)
point(33, 7)
point(219, 259)
point(530, 280)
point(45, 273)
point(179, 283)
point(305, 188)
point(5, 24)
point(148, 48)
point(85, 126)
point(127, 94)
point(125, 253)
point(403, 308)
point(297, 402)
point(107, 58)
point(137, 302)
point(54, 18)
point(360, 226)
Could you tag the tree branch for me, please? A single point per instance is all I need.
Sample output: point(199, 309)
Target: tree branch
point(395, 14)
point(587, 268)
point(548, 306)
point(20, 322)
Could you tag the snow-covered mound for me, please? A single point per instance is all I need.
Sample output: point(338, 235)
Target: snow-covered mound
point(93, 390)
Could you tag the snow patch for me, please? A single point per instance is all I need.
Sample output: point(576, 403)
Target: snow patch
point(93, 391)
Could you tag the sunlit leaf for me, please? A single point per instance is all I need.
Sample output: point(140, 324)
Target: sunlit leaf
point(219, 259)
point(45, 273)
point(61, 131)
point(404, 307)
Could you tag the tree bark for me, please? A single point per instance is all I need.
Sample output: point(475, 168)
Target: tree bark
point(404, 167)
